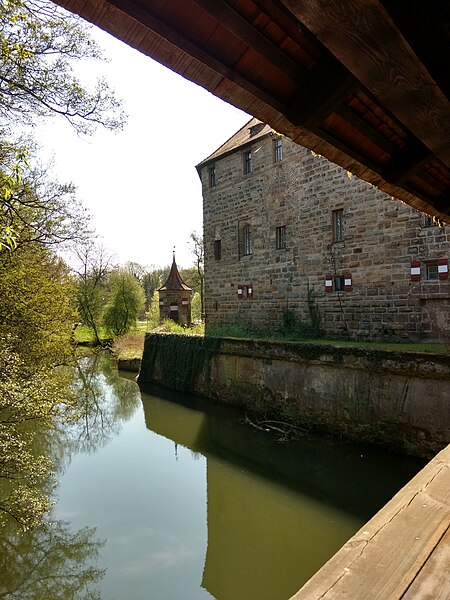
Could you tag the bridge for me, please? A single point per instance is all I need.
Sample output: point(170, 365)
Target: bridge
point(364, 83)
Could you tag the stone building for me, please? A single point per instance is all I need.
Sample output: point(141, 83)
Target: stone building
point(287, 229)
point(175, 298)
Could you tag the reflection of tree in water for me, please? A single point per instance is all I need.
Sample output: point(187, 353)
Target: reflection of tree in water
point(104, 399)
point(49, 562)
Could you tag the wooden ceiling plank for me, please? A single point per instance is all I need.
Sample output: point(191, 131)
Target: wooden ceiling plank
point(168, 32)
point(365, 128)
point(442, 203)
point(321, 95)
point(247, 33)
point(407, 161)
point(365, 39)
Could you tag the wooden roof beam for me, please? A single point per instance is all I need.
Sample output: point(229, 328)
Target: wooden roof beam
point(406, 162)
point(247, 33)
point(363, 36)
point(321, 95)
point(170, 33)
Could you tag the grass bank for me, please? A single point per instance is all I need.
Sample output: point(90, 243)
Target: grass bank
point(131, 345)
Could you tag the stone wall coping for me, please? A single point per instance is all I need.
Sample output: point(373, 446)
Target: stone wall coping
point(430, 365)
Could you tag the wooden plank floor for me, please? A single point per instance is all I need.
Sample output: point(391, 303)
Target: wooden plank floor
point(402, 553)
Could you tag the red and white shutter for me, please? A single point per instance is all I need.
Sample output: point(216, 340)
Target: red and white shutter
point(415, 270)
point(442, 265)
point(240, 292)
point(250, 291)
point(328, 283)
point(348, 286)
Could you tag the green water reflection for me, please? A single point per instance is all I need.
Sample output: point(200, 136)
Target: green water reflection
point(165, 497)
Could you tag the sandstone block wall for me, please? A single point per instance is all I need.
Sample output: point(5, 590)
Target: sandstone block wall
point(381, 236)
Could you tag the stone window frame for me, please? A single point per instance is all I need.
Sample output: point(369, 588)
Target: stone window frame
point(247, 240)
point(218, 249)
point(337, 222)
point(280, 237)
point(278, 149)
point(248, 161)
point(339, 283)
point(212, 180)
point(431, 270)
point(428, 221)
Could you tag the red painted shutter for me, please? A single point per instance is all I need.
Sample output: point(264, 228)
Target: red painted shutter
point(415, 270)
point(250, 291)
point(328, 283)
point(442, 265)
point(348, 282)
point(240, 291)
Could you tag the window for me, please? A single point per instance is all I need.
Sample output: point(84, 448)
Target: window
point(281, 237)
point(339, 283)
point(432, 271)
point(245, 291)
point(212, 176)
point(247, 240)
point(248, 162)
point(217, 249)
point(428, 221)
point(338, 225)
point(278, 150)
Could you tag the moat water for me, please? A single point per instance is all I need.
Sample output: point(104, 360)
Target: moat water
point(185, 501)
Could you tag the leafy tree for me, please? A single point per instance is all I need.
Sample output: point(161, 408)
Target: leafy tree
point(198, 251)
point(36, 321)
point(39, 43)
point(152, 314)
point(94, 266)
point(151, 281)
point(196, 307)
point(135, 269)
point(126, 302)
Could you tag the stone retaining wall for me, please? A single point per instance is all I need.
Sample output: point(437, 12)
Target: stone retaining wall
point(400, 400)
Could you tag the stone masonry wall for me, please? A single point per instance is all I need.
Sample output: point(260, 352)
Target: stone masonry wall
point(381, 237)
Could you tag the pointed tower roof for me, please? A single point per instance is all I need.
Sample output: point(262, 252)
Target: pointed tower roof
point(174, 280)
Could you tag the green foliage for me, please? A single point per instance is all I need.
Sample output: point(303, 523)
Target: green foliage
point(169, 326)
point(129, 346)
point(152, 315)
point(38, 44)
point(295, 328)
point(151, 281)
point(198, 250)
point(50, 562)
point(125, 303)
point(92, 286)
point(180, 358)
point(314, 313)
point(233, 330)
point(196, 307)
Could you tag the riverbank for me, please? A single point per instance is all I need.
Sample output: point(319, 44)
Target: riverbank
point(396, 399)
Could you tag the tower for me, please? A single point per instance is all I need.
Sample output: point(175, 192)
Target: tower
point(175, 298)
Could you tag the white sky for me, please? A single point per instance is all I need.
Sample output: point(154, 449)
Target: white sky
point(140, 184)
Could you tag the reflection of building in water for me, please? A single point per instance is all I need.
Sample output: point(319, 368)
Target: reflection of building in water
point(263, 534)
point(274, 515)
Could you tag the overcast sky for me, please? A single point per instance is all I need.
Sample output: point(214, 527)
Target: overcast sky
point(141, 185)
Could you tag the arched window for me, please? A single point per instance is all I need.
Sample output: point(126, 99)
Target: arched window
point(248, 240)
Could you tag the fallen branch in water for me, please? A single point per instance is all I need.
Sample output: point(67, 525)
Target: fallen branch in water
point(288, 430)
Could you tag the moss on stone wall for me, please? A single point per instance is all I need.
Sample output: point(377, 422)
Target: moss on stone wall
point(180, 359)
